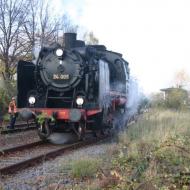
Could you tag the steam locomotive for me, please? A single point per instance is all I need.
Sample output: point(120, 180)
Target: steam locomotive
point(74, 88)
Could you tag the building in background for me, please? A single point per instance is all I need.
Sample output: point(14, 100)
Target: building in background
point(176, 97)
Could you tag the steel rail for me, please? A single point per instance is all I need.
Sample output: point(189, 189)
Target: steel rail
point(46, 156)
point(19, 128)
point(19, 147)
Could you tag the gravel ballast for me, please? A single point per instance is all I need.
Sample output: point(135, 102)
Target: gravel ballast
point(48, 175)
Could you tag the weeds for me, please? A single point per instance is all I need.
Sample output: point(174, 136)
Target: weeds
point(84, 168)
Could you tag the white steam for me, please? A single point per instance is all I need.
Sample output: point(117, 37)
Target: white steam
point(122, 115)
point(134, 97)
point(62, 138)
point(35, 51)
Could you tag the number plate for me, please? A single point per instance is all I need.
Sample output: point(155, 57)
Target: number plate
point(60, 77)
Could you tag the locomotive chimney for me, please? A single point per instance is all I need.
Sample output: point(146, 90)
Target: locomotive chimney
point(70, 40)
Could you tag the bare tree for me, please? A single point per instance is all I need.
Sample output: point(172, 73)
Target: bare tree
point(67, 25)
point(23, 23)
point(43, 28)
point(48, 25)
point(30, 26)
point(13, 44)
point(39, 25)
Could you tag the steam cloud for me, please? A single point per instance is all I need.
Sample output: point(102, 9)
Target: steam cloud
point(121, 117)
point(36, 50)
point(62, 138)
point(134, 97)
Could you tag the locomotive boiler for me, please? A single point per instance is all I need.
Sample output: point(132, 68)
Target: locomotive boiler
point(73, 88)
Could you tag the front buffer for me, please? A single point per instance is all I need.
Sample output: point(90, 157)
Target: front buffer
point(65, 120)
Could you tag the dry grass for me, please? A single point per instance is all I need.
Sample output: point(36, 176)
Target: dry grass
point(158, 150)
point(158, 126)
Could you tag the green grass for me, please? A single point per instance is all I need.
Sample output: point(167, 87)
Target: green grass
point(6, 118)
point(82, 168)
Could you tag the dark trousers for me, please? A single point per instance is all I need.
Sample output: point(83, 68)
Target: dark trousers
point(12, 121)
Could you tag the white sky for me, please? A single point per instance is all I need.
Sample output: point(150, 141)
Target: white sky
point(152, 35)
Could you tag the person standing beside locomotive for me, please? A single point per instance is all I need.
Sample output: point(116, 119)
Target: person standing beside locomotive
point(13, 113)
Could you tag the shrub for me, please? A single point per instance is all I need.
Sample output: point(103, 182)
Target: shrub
point(177, 99)
point(85, 168)
point(4, 100)
point(6, 92)
point(6, 118)
point(157, 101)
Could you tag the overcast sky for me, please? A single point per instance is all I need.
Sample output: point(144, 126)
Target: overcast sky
point(152, 35)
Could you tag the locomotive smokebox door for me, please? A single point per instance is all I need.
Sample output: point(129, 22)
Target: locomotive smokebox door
point(61, 74)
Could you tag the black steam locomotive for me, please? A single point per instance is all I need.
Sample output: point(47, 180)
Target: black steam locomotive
point(74, 88)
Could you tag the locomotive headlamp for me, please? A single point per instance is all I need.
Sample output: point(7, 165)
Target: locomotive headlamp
point(59, 52)
point(32, 100)
point(79, 101)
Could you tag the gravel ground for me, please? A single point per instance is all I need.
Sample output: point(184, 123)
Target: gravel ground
point(14, 139)
point(49, 174)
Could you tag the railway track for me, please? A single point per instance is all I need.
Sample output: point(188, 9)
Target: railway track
point(19, 128)
point(20, 157)
point(17, 158)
